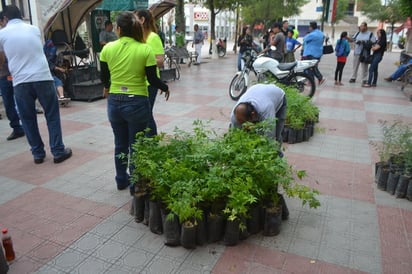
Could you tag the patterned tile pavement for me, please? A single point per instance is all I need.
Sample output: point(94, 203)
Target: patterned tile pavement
point(70, 218)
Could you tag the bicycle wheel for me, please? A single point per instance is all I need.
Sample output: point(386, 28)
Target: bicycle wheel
point(237, 87)
point(176, 66)
point(304, 83)
point(407, 78)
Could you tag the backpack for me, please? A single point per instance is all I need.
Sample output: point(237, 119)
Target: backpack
point(340, 49)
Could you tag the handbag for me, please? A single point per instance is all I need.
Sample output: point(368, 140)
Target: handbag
point(327, 49)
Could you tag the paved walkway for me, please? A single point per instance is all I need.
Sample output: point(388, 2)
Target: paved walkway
point(70, 218)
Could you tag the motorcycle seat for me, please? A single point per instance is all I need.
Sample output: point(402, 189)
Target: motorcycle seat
point(287, 66)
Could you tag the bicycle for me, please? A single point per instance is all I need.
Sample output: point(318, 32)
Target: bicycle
point(171, 64)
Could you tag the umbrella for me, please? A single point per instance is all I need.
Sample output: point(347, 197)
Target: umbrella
point(162, 7)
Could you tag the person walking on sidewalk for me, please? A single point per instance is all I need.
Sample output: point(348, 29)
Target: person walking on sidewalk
point(125, 65)
point(21, 43)
point(313, 49)
point(198, 43)
point(342, 51)
point(152, 38)
point(360, 38)
point(378, 50)
point(7, 92)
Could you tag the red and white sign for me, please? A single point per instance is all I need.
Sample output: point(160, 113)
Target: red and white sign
point(201, 16)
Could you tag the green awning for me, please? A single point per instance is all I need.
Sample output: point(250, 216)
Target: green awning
point(117, 5)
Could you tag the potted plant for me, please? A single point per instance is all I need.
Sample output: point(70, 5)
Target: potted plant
point(301, 115)
point(200, 174)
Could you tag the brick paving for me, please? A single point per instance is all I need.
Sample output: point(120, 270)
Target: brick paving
point(70, 218)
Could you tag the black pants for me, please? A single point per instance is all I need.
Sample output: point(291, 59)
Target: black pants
point(339, 71)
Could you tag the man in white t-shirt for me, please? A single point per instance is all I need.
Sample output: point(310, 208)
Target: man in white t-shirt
point(21, 44)
point(360, 38)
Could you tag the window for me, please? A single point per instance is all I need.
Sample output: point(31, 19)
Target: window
point(350, 11)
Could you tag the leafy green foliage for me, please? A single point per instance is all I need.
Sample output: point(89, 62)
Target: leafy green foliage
point(397, 140)
point(300, 109)
point(268, 11)
point(188, 171)
point(389, 12)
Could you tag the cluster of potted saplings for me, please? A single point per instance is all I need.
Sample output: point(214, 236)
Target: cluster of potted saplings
point(200, 187)
point(393, 172)
point(301, 117)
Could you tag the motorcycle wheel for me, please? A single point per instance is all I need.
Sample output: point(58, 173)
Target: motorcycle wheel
point(237, 87)
point(304, 83)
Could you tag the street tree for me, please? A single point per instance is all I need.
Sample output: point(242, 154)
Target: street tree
point(269, 11)
point(341, 8)
point(389, 12)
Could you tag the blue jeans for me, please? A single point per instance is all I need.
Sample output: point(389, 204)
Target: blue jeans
point(400, 71)
point(26, 95)
point(128, 115)
point(239, 61)
point(7, 93)
point(373, 69)
point(152, 99)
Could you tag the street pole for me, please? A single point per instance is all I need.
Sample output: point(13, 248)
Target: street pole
point(323, 14)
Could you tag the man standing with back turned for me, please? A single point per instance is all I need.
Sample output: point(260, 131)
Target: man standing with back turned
point(22, 46)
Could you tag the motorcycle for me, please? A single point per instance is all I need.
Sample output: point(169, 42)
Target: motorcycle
point(290, 74)
point(221, 47)
point(240, 81)
point(266, 68)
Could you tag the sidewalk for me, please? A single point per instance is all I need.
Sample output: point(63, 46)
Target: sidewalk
point(70, 218)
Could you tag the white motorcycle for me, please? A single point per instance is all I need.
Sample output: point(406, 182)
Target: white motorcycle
point(290, 74)
point(266, 68)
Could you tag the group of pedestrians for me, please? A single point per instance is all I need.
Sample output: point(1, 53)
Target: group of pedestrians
point(129, 72)
point(368, 53)
point(280, 43)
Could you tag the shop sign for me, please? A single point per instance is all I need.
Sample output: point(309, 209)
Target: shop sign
point(201, 16)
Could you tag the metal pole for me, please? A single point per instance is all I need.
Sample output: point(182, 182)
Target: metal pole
point(323, 15)
point(30, 16)
point(3, 4)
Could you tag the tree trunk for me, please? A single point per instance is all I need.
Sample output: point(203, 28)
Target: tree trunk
point(180, 15)
point(408, 45)
point(212, 47)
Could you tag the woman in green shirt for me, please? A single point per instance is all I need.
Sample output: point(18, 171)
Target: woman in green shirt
point(125, 65)
point(153, 40)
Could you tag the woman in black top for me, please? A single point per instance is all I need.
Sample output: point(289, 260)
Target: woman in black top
point(244, 43)
point(378, 49)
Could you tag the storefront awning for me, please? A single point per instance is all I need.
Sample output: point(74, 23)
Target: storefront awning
point(117, 5)
point(162, 7)
point(406, 25)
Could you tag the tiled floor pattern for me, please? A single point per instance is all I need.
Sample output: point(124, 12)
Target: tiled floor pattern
point(70, 218)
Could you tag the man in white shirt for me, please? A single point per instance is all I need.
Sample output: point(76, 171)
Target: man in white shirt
point(21, 44)
point(261, 102)
point(360, 38)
